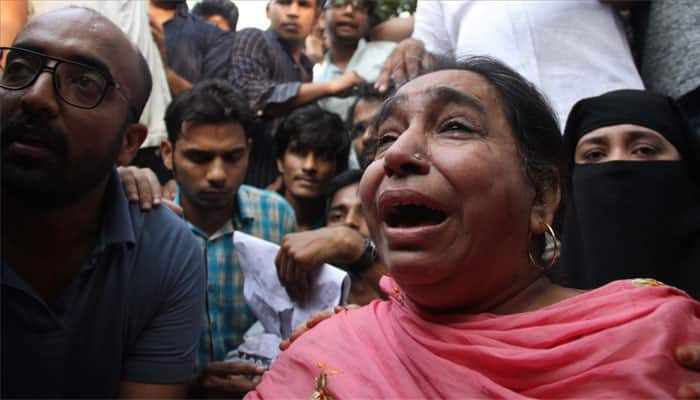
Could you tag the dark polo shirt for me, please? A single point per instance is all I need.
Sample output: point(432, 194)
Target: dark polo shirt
point(132, 313)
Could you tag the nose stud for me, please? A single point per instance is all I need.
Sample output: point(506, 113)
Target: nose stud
point(418, 156)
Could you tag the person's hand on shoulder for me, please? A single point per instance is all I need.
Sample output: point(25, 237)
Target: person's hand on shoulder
point(311, 322)
point(141, 186)
point(689, 357)
point(405, 62)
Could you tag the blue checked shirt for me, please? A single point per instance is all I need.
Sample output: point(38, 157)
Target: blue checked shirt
point(263, 214)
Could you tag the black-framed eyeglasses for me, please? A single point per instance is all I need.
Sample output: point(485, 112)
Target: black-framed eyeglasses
point(360, 5)
point(77, 84)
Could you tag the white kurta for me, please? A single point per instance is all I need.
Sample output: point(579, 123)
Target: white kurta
point(569, 49)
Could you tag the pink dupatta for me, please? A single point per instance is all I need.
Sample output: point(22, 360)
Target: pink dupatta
point(615, 341)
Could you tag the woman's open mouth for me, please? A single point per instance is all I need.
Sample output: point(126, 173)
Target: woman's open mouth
point(409, 209)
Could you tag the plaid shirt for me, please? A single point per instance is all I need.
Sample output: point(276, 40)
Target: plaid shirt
point(263, 214)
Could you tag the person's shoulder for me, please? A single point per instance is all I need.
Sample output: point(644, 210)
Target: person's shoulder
point(250, 35)
point(253, 195)
point(161, 235)
point(381, 45)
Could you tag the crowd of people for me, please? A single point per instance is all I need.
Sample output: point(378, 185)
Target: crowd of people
point(512, 188)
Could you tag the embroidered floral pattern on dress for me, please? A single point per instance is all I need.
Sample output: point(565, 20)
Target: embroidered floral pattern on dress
point(321, 391)
point(642, 282)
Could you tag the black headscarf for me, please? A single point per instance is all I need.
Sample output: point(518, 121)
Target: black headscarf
point(632, 219)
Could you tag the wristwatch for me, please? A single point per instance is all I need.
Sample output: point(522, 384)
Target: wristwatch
point(366, 260)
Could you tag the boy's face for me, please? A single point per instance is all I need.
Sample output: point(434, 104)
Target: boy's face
point(305, 174)
point(347, 21)
point(209, 162)
point(292, 20)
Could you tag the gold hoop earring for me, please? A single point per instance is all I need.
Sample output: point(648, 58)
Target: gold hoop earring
point(551, 244)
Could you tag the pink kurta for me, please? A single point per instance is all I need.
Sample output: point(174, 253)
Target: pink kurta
point(616, 341)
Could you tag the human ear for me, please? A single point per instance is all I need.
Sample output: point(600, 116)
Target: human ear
point(280, 166)
point(134, 136)
point(166, 153)
point(546, 201)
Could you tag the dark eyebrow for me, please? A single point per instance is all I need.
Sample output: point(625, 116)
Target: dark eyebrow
point(440, 96)
point(593, 140)
point(444, 95)
point(341, 207)
point(85, 60)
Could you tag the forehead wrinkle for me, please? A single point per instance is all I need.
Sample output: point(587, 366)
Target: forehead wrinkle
point(443, 95)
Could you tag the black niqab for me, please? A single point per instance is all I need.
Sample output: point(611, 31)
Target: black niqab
point(632, 219)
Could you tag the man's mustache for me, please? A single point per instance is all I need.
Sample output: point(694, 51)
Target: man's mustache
point(21, 127)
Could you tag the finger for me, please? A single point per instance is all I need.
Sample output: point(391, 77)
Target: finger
point(155, 185)
point(384, 78)
point(169, 189)
point(127, 177)
point(284, 345)
point(318, 317)
point(347, 307)
point(689, 356)
point(398, 75)
point(223, 369)
point(174, 207)
point(427, 61)
point(689, 391)
point(413, 63)
point(145, 193)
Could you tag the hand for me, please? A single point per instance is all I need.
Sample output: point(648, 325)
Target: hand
point(301, 255)
point(689, 357)
point(141, 186)
point(342, 86)
point(311, 322)
point(169, 190)
point(158, 37)
point(229, 379)
point(404, 63)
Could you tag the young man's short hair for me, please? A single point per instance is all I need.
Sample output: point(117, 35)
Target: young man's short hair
point(210, 101)
point(225, 8)
point(313, 129)
point(340, 181)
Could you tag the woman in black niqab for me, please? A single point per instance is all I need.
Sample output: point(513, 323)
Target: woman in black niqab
point(632, 219)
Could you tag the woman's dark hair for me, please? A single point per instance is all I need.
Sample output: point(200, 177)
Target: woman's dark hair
point(208, 102)
point(225, 8)
point(313, 129)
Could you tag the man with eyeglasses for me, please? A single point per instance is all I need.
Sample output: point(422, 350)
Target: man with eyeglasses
point(347, 26)
point(98, 299)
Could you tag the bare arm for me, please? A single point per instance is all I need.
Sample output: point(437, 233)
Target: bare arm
point(310, 92)
point(394, 29)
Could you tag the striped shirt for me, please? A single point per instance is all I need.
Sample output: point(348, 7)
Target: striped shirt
point(264, 70)
point(263, 214)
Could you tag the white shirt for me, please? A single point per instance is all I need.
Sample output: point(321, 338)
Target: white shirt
point(367, 61)
point(569, 49)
